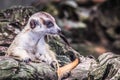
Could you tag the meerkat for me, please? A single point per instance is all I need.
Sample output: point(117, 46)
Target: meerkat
point(30, 45)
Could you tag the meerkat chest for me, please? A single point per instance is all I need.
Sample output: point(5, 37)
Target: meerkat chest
point(28, 41)
point(42, 48)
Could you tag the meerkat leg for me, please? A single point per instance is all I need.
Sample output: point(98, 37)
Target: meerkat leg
point(21, 55)
point(67, 68)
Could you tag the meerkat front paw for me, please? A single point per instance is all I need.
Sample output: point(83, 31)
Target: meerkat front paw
point(26, 60)
point(22, 55)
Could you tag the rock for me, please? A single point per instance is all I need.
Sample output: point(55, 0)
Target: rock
point(12, 69)
point(108, 68)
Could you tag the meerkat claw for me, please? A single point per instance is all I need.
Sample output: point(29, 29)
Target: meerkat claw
point(27, 60)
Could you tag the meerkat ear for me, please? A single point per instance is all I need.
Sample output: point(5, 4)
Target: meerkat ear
point(33, 23)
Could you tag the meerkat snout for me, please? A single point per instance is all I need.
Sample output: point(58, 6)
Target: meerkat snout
point(51, 27)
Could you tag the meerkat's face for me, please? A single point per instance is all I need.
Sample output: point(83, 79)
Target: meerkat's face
point(42, 22)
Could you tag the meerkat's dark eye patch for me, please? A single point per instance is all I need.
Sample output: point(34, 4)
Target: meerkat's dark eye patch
point(48, 23)
point(33, 23)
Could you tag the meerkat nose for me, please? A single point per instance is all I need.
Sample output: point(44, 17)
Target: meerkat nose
point(59, 31)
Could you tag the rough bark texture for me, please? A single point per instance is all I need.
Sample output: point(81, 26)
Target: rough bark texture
point(15, 70)
point(106, 67)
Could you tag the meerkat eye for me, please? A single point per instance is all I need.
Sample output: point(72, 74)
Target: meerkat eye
point(33, 23)
point(49, 24)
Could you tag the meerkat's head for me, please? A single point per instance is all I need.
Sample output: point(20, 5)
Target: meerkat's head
point(43, 22)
